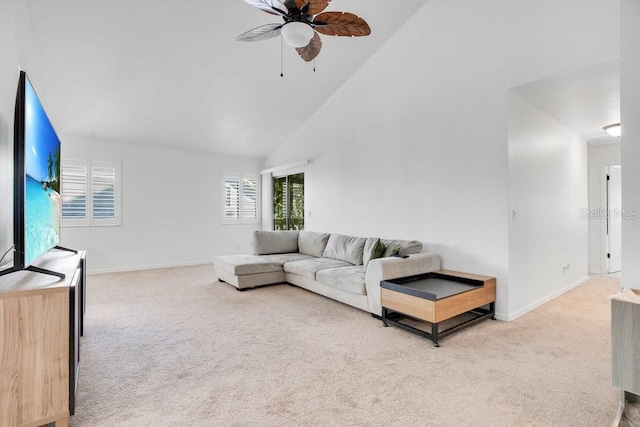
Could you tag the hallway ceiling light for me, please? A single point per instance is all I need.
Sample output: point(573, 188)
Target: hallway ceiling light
point(613, 130)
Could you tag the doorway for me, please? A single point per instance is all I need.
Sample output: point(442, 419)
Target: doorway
point(614, 219)
point(288, 202)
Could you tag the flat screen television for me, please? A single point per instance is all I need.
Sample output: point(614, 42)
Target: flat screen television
point(37, 181)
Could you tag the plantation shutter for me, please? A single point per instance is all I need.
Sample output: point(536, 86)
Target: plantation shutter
point(249, 199)
point(285, 202)
point(232, 198)
point(74, 192)
point(103, 191)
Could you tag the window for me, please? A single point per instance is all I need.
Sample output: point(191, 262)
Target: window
point(91, 193)
point(240, 199)
point(288, 202)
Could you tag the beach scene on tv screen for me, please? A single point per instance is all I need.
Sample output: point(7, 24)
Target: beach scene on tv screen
point(42, 186)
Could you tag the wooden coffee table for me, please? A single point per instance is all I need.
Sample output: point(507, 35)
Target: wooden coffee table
point(435, 297)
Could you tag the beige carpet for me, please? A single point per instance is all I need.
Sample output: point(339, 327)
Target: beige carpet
point(176, 347)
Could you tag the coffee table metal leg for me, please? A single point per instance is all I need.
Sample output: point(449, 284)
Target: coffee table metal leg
point(434, 334)
point(384, 317)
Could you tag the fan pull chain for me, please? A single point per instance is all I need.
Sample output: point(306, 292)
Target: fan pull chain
point(314, 65)
point(281, 57)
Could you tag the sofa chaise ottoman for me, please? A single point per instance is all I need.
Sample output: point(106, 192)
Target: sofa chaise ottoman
point(345, 268)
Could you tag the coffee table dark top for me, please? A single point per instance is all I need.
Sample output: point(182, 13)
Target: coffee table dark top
point(430, 286)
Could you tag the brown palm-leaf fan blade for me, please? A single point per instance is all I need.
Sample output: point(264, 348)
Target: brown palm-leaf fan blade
point(310, 51)
point(312, 7)
point(341, 24)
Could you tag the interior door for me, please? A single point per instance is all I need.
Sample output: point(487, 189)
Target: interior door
point(614, 219)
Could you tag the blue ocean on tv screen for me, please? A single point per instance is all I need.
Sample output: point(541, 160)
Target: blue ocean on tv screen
point(42, 232)
point(42, 186)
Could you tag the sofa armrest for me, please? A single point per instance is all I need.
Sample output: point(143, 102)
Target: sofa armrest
point(392, 268)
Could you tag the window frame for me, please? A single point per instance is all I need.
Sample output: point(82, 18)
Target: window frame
point(288, 201)
point(90, 219)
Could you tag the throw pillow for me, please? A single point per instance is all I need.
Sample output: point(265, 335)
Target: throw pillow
point(391, 250)
point(379, 250)
point(406, 246)
point(373, 248)
point(369, 250)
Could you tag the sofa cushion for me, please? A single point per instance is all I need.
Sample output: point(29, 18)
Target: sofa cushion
point(350, 279)
point(345, 248)
point(275, 242)
point(373, 248)
point(241, 265)
point(284, 258)
point(309, 267)
point(312, 243)
point(406, 247)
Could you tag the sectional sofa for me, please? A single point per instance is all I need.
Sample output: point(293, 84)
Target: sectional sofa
point(345, 268)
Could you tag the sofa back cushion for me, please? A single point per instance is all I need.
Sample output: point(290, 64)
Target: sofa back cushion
point(345, 248)
point(405, 247)
point(312, 243)
point(275, 242)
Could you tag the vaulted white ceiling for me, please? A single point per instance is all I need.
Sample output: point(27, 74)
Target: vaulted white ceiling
point(169, 72)
point(584, 100)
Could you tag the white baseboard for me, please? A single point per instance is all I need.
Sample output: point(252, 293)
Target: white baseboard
point(502, 316)
point(543, 300)
point(146, 267)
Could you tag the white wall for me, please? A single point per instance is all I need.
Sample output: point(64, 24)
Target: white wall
point(600, 156)
point(630, 141)
point(17, 52)
point(547, 190)
point(414, 145)
point(171, 207)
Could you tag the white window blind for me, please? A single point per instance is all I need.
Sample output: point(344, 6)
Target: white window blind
point(285, 196)
point(91, 193)
point(240, 204)
point(232, 198)
point(249, 199)
point(74, 192)
point(103, 191)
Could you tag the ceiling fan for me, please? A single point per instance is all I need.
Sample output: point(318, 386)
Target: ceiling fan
point(303, 20)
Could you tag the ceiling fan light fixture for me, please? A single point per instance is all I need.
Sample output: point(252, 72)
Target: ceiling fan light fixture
point(297, 34)
point(304, 21)
point(613, 130)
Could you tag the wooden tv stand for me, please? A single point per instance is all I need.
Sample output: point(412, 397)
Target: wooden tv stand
point(40, 326)
point(435, 297)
